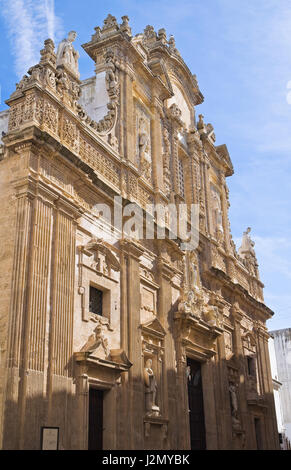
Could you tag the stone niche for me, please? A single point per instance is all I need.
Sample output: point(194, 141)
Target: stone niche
point(155, 421)
point(148, 293)
point(250, 355)
point(143, 143)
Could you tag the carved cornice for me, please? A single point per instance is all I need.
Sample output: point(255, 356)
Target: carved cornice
point(132, 248)
point(123, 364)
point(240, 291)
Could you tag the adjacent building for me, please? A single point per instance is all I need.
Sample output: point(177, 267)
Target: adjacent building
point(280, 355)
point(116, 331)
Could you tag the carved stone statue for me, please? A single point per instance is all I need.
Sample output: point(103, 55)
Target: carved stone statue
point(217, 210)
point(143, 140)
point(191, 302)
point(149, 33)
point(200, 124)
point(233, 397)
point(67, 55)
point(172, 45)
point(95, 340)
point(111, 79)
point(210, 132)
point(150, 388)
point(210, 313)
point(234, 406)
point(143, 147)
point(247, 245)
point(193, 272)
point(247, 253)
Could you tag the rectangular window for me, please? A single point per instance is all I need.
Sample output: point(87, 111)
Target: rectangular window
point(95, 300)
point(181, 178)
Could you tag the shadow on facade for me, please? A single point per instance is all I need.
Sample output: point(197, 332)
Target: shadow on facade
point(248, 425)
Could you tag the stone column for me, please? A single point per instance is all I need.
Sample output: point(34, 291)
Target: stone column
point(242, 396)
point(22, 254)
point(134, 391)
point(170, 385)
point(81, 399)
point(209, 404)
point(157, 158)
point(206, 188)
point(128, 123)
point(33, 377)
point(221, 391)
point(59, 380)
point(123, 418)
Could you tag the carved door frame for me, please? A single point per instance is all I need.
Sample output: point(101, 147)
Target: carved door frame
point(102, 375)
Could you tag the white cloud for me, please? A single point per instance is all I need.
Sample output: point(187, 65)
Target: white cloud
point(274, 254)
point(29, 23)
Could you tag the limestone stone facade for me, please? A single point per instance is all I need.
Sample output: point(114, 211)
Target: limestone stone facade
point(179, 342)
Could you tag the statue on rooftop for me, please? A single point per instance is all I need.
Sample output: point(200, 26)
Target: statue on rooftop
point(67, 55)
point(247, 245)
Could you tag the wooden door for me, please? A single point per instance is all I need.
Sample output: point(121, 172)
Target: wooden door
point(95, 438)
point(196, 408)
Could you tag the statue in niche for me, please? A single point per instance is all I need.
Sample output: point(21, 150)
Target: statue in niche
point(143, 147)
point(217, 209)
point(143, 139)
point(67, 55)
point(150, 388)
point(193, 272)
point(234, 405)
point(110, 78)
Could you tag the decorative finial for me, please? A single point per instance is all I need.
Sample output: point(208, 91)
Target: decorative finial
point(110, 22)
point(125, 26)
point(48, 53)
point(162, 36)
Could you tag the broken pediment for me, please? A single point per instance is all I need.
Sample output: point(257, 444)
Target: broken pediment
point(119, 357)
point(100, 256)
point(223, 153)
point(97, 347)
point(153, 327)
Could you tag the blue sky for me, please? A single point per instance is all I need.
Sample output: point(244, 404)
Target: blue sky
point(241, 53)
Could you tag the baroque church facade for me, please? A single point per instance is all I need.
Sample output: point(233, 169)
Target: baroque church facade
point(124, 342)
